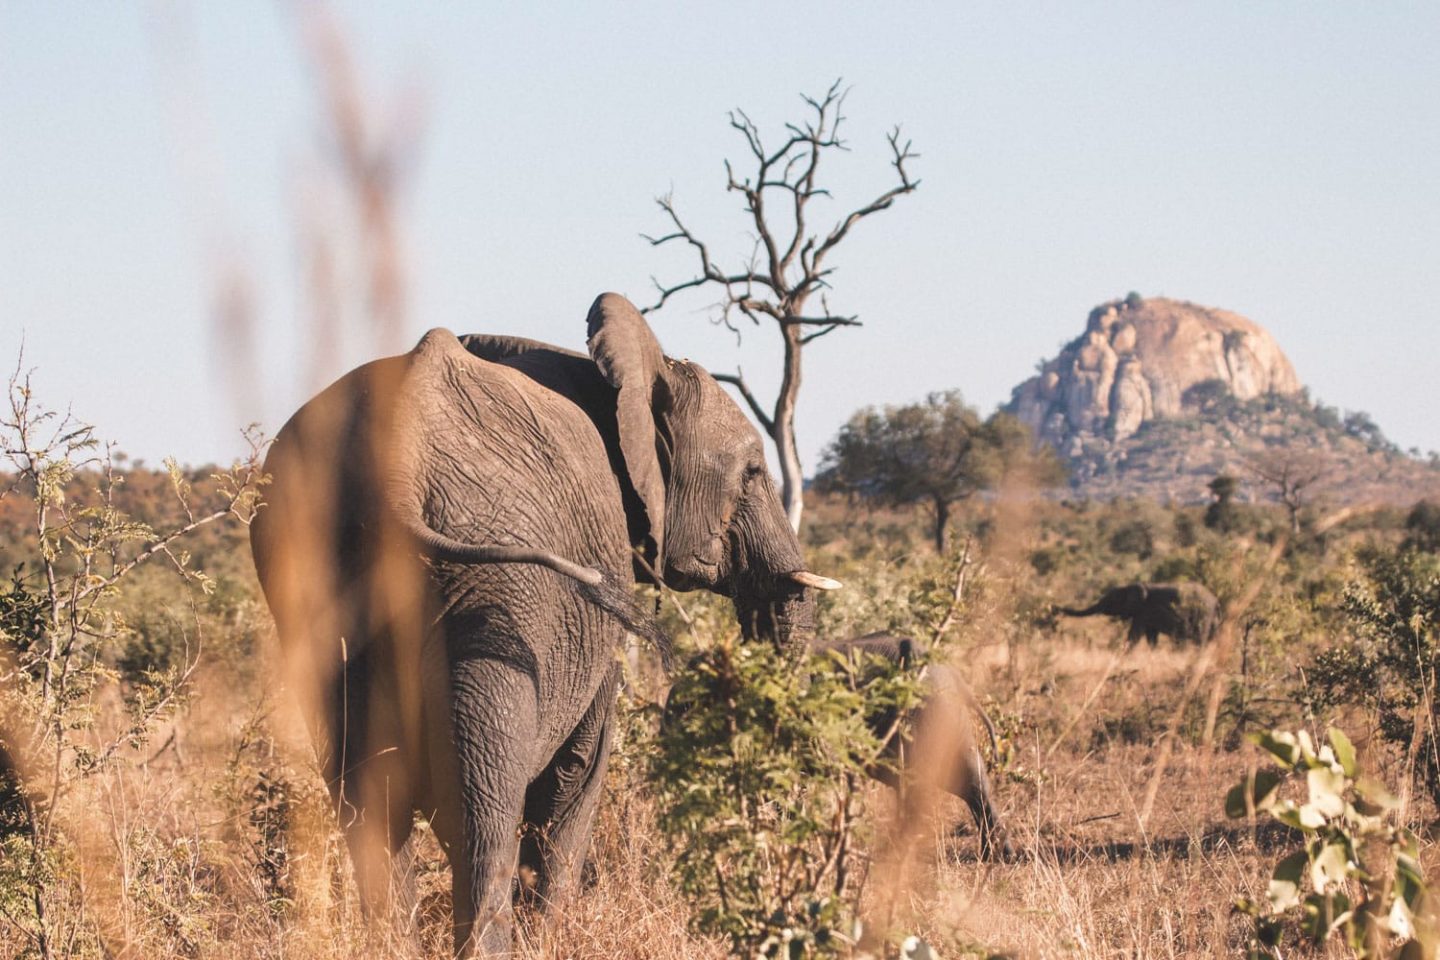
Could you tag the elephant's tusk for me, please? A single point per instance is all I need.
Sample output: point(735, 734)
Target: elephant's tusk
point(807, 579)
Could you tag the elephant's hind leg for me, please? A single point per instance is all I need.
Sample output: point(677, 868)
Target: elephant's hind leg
point(561, 803)
point(972, 784)
point(495, 727)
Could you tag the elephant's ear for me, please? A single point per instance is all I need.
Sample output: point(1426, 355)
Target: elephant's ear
point(630, 358)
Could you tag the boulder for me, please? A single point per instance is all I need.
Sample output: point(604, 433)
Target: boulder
point(1137, 360)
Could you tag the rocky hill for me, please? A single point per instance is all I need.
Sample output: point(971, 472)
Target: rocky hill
point(1158, 396)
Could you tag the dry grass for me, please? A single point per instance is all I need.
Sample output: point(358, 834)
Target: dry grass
point(173, 847)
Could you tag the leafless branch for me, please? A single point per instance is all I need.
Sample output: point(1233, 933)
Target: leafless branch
point(709, 273)
point(822, 331)
point(957, 594)
point(825, 321)
point(882, 202)
point(787, 266)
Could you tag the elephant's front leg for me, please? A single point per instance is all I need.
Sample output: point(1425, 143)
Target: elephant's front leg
point(495, 729)
point(561, 803)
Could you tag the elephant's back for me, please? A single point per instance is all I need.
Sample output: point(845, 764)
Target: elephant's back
point(502, 459)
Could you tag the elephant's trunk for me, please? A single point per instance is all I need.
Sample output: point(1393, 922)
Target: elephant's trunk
point(786, 619)
point(774, 593)
point(1089, 611)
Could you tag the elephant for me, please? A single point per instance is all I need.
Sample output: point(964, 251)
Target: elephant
point(1187, 612)
point(941, 732)
point(448, 546)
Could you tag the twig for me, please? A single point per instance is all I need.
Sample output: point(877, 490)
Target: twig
point(663, 587)
point(957, 595)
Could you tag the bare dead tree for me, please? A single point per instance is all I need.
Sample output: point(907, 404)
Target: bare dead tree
point(1293, 473)
point(787, 268)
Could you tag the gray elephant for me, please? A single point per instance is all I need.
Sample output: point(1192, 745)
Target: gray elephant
point(448, 547)
point(941, 732)
point(1186, 612)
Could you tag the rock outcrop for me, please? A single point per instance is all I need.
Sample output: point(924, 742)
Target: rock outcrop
point(1158, 397)
point(1141, 360)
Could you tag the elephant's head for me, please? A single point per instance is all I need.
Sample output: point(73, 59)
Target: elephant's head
point(714, 518)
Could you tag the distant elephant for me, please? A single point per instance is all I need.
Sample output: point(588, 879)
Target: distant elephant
point(941, 733)
point(448, 548)
point(1187, 612)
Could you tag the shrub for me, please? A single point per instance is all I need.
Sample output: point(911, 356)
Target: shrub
point(1357, 877)
point(1224, 515)
point(1133, 537)
point(1394, 609)
point(62, 630)
point(1422, 527)
point(757, 771)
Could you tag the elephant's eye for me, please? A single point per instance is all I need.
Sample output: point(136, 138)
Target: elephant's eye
point(752, 473)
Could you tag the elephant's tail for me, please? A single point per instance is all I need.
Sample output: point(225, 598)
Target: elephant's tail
point(616, 599)
point(990, 729)
point(973, 702)
point(596, 586)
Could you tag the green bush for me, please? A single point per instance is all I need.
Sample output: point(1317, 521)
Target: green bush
point(1223, 514)
point(1422, 527)
point(1133, 537)
point(1393, 606)
point(1357, 878)
point(757, 770)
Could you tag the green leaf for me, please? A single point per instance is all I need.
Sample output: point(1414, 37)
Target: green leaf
point(1323, 914)
point(1344, 751)
point(1310, 817)
point(1301, 818)
point(1281, 744)
point(1375, 796)
point(1327, 791)
point(1330, 867)
point(1267, 783)
point(1284, 890)
point(1399, 920)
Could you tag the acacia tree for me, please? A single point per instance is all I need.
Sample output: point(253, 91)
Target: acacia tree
point(787, 269)
point(1293, 472)
point(937, 452)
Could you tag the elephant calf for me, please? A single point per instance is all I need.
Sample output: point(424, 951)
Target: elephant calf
point(941, 731)
point(1187, 612)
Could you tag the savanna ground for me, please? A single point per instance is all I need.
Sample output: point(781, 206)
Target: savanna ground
point(205, 830)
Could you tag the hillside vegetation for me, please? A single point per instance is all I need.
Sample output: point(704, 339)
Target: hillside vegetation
point(1159, 396)
point(1349, 457)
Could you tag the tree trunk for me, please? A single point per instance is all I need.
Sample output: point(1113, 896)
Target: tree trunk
point(942, 525)
point(792, 482)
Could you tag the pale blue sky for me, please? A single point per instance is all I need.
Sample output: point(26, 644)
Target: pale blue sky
point(1276, 159)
